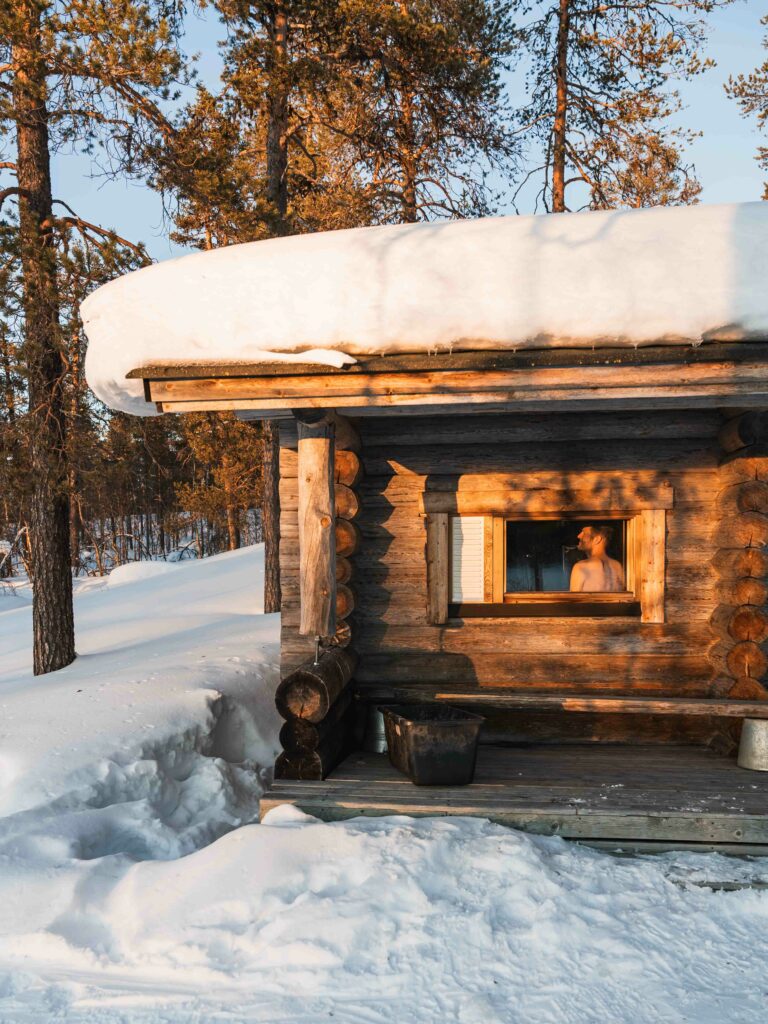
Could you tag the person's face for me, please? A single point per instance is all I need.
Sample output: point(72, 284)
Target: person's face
point(586, 539)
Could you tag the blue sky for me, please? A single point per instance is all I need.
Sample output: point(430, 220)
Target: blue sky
point(724, 156)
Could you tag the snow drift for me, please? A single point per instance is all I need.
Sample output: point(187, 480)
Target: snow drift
point(672, 275)
point(135, 888)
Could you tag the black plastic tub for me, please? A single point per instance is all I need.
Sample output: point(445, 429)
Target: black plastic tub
point(433, 744)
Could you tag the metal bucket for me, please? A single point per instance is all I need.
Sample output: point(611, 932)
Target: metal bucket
point(753, 748)
point(374, 737)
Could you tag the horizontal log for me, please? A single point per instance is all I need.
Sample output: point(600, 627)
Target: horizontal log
point(535, 428)
point(345, 601)
point(347, 538)
point(738, 562)
point(343, 570)
point(610, 672)
point(747, 591)
point(622, 705)
point(730, 393)
point(746, 464)
point(407, 607)
point(312, 689)
point(531, 500)
point(574, 463)
point(746, 622)
point(542, 636)
point(748, 689)
point(346, 501)
point(748, 530)
point(312, 765)
point(697, 485)
point(741, 659)
point(348, 468)
point(299, 735)
point(747, 496)
point(334, 390)
point(741, 431)
point(345, 432)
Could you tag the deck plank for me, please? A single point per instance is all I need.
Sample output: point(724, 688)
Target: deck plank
point(673, 796)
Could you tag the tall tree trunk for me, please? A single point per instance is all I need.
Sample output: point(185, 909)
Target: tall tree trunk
point(233, 531)
point(561, 110)
point(277, 120)
point(74, 520)
point(75, 385)
point(270, 516)
point(52, 617)
point(409, 208)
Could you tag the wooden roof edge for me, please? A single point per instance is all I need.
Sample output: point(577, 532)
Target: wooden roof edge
point(736, 350)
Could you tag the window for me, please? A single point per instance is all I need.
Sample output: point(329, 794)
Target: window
point(540, 554)
point(512, 553)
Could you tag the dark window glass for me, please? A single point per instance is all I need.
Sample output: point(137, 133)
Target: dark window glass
point(541, 553)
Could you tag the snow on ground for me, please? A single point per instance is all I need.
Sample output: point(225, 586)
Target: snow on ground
point(621, 277)
point(128, 895)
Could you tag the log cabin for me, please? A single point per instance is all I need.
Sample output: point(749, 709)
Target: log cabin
point(456, 405)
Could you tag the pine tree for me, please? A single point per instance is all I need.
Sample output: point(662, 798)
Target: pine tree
point(81, 268)
point(751, 93)
point(423, 104)
point(226, 481)
point(601, 83)
point(79, 72)
point(335, 114)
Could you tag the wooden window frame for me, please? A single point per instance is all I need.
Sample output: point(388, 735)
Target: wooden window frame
point(643, 509)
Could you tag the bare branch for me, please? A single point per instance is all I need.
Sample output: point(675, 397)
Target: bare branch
point(84, 227)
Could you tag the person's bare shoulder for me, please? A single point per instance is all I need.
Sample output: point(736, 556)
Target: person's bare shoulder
point(577, 576)
point(618, 569)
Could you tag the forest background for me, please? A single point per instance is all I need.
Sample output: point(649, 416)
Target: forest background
point(120, 144)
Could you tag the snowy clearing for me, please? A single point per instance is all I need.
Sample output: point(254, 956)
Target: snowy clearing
point(671, 275)
point(130, 896)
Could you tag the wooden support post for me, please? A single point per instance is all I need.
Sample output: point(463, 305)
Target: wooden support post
point(317, 537)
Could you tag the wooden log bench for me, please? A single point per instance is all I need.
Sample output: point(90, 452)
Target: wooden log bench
point(504, 698)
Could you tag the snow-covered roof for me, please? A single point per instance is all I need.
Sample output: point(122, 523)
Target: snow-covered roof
point(667, 275)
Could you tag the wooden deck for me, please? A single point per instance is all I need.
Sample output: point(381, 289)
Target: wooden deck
point(620, 797)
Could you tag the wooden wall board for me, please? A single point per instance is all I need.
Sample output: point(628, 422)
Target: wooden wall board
point(668, 450)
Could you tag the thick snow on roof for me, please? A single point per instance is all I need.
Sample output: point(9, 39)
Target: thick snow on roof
point(671, 275)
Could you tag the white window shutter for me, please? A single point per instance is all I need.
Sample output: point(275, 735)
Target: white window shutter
point(467, 559)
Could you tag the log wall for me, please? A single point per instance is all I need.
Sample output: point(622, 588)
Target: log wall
point(404, 457)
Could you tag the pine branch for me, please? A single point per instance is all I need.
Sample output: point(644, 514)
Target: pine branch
point(84, 226)
point(6, 193)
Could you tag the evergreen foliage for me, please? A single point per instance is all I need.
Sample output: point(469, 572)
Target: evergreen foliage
point(330, 114)
point(601, 101)
point(751, 93)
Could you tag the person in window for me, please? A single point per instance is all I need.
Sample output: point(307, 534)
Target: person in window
point(598, 572)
